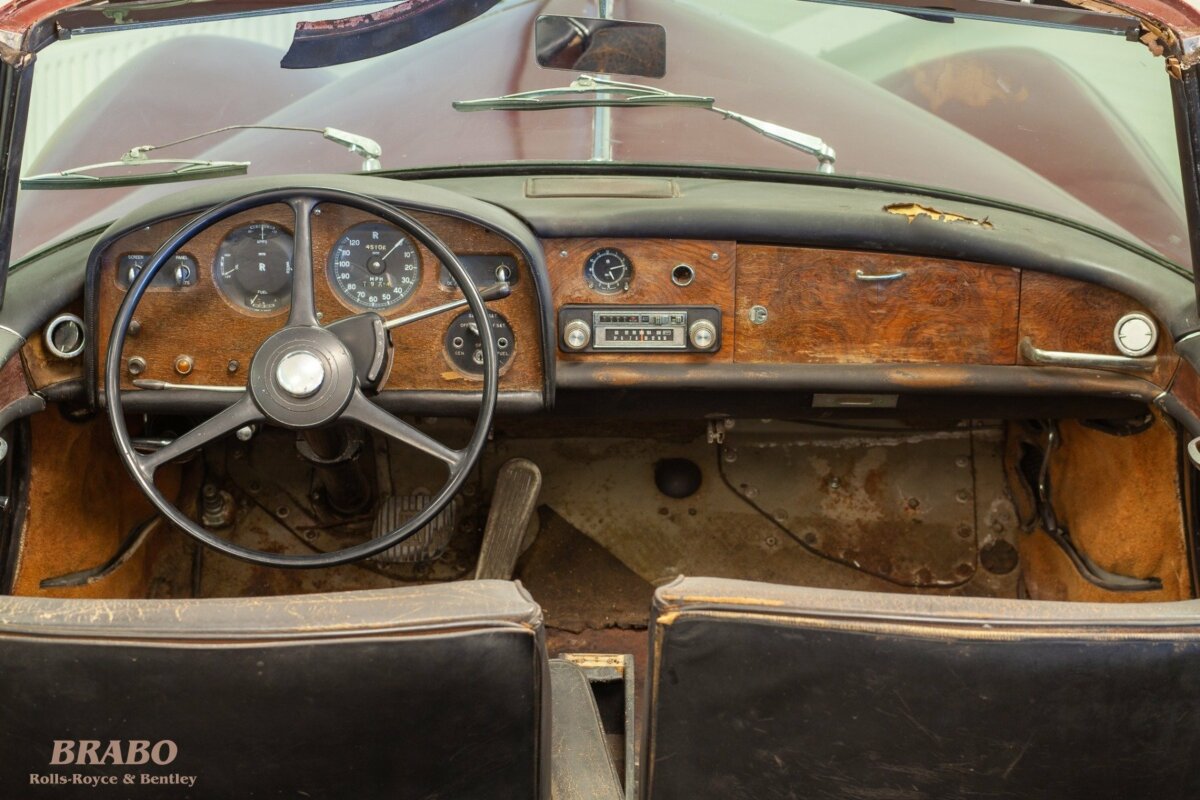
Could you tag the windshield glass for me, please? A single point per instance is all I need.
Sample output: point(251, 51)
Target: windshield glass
point(1074, 123)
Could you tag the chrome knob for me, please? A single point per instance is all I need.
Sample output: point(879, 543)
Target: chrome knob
point(702, 334)
point(183, 275)
point(577, 334)
point(300, 373)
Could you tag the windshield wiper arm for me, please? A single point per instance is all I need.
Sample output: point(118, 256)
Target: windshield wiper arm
point(189, 168)
point(631, 95)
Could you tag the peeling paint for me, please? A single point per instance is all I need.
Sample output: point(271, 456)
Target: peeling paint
point(914, 210)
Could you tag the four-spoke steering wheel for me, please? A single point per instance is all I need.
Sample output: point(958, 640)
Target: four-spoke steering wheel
point(307, 375)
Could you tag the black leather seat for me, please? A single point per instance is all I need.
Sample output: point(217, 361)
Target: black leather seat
point(429, 692)
point(764, 691)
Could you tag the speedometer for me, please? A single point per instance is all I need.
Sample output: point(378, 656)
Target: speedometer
point(254, 267)
point(375, 266)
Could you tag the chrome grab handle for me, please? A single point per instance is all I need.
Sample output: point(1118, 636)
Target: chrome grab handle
point(1193, 451)
point(891, 276)
point(1059, 358)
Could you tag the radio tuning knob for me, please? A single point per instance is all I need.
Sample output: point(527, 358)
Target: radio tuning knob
point(702, 334)
point(577, 334)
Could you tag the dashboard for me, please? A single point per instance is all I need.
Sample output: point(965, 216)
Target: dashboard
point(597, 305)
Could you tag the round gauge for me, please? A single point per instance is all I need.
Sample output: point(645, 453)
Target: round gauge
point(254, 267)
point(608, 271)
point(1135, 335)
point(463, 345)
point(375, 265)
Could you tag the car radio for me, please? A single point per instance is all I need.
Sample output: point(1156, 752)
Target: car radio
point(610, 328)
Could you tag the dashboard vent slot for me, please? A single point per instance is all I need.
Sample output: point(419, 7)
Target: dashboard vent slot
point(601, 186)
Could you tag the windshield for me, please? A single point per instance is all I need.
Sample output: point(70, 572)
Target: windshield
point(1074, 123)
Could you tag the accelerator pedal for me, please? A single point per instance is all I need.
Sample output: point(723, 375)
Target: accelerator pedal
point(513, 501)
point(427, 544)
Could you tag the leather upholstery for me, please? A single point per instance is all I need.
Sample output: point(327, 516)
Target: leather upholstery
point(767, 691)
point(427, 692)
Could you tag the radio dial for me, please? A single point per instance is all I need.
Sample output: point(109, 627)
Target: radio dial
point(702, 334)
point(577, 334)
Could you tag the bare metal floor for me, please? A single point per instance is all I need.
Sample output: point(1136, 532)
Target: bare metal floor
point(872, 507)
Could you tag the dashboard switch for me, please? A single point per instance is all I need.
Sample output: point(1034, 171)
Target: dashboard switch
point(577, 334)
point(702, 334)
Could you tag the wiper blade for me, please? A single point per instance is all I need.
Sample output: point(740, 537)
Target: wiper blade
point(190, 169)
point(612, 93)
point(185, 169)
point(618, 94)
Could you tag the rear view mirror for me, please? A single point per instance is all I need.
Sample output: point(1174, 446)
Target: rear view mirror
point(601, 46)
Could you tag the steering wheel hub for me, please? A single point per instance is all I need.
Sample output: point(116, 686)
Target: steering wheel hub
point(300, 373)
point(302, 377)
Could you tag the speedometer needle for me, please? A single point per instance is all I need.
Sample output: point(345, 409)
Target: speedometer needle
point(399, 242)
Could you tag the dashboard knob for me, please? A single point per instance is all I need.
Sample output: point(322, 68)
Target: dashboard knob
point(577, 334)
point(702, 334)
point(183, 275)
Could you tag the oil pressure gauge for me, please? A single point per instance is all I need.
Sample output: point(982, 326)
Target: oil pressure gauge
point(608, 271)
point(254, 267)
point(464, 347)
point(1135, 335)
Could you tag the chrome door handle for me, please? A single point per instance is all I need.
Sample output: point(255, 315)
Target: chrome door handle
point(890, 276)
point(1086, 360)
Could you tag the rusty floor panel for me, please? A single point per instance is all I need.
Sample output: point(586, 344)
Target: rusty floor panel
point(605, 488)
point(783, 503)
point(579, 585)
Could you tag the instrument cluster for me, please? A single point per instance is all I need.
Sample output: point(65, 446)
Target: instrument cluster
point(361, 264)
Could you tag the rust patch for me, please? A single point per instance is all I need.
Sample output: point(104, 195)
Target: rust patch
point(914, 210)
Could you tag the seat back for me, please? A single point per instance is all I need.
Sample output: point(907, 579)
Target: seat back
point(766, 691)
point(427, 692)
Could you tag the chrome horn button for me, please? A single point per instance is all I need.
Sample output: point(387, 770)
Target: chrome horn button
point(300, 373)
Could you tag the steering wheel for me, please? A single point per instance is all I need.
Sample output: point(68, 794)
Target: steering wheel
point(306, 375)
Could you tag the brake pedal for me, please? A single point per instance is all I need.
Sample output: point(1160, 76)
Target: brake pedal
point(428, 543)
point(513, 501)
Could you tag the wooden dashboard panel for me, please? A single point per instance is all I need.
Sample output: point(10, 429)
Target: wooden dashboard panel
point(653, 260)
point(199, 322)
point(820, 310)
point(1062, 314)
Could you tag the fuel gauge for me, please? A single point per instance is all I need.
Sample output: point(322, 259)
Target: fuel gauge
point(464, 348)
